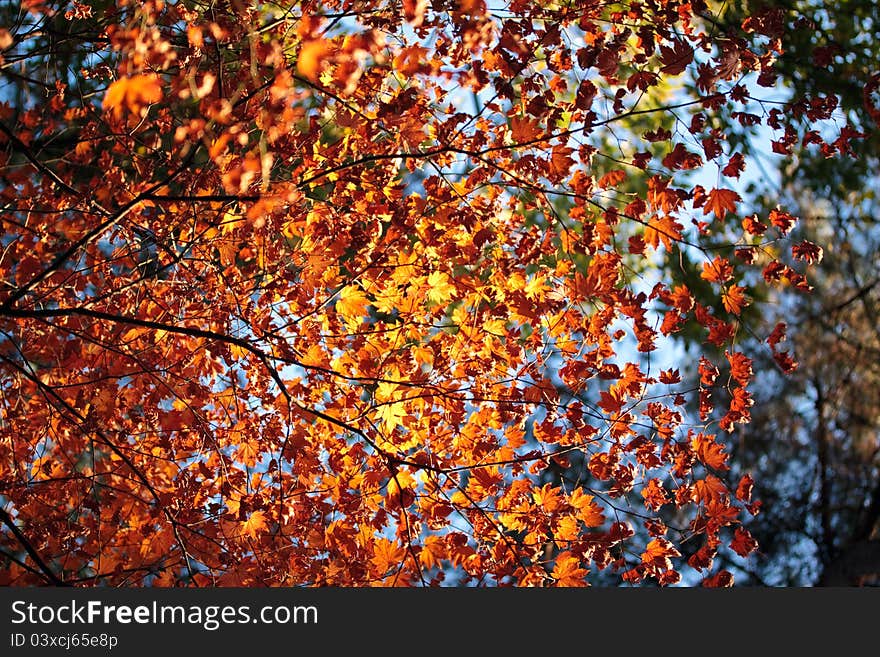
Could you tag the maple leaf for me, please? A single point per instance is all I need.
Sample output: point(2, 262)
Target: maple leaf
point(744, 488)
point(680, 158)
point(753, 226)
point(709, 451)
point(387, 555)
point(255, 524)
point(676, 57)
point(524, 130)
point(311, 320)
point(735, 166)
point(610, 402)
point(718, 270)
point(133, 93)
point(391, 415)
point(567, 571)
point(658, 554)
point(654, 494)
point(433, 552)
point(722, 579)
point(611, 179)
point(734, 299)
point(414, 11)
point(561, 161)
point(782, 220)
point(709, 489)
point(352, 303)
point(743, 543)
point(702, 558)
point(663, 228)
point(778, 334)
point(588, 510)
point(440, 288)
point(720, 202)
point(807, 251)
point(740, 367)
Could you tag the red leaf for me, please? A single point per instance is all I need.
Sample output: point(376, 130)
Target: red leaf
point(782, 220)
point(744, 489)
point(723, 579)
point(740, 367)
point(743, 543)
point(777, 335)
point(735, 166)
point(807, 251)
point(676, 58)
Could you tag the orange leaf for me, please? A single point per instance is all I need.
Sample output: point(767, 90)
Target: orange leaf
point(718, 270)
point(658, 554)
point(433, 552)
point(612, 179)
point(721, 201)
point(734, 299)
point(709, 489)
point(414, 11)
point(387, 555)
point(740, 367)
point(312, 56)
point(255, 524)
point(662, 229)
point(709, 451)
point(133, 93)
point(524, 129)
point(588, 511)
point(654, 494)
point(567, 571)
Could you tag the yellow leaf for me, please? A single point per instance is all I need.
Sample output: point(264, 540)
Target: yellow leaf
point(391, 415)
point(441, 289)
point(255, 524)
point(132, 334)
point(494, 327)
point(535, 287)
point(352, 303)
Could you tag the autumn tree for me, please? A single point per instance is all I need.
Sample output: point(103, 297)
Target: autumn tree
point(351, 293)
